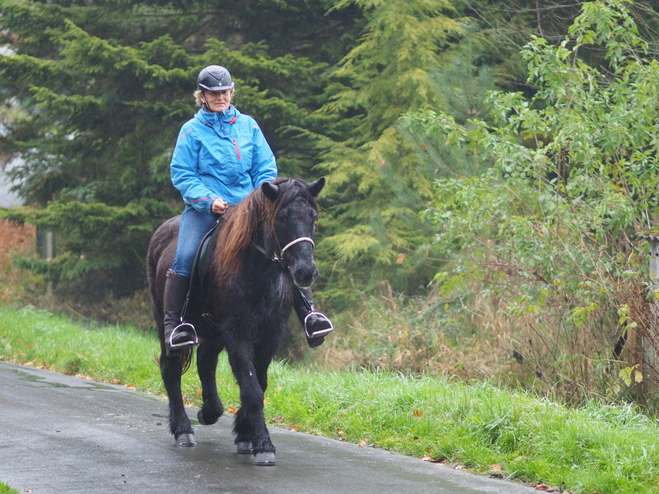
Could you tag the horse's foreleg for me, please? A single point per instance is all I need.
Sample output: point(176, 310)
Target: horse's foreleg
point(212, 408)
point(179, 423)
point(249, 424)
point(262, 359)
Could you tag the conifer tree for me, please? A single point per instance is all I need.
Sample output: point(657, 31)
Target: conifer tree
point(95, 120)
point(379, 178)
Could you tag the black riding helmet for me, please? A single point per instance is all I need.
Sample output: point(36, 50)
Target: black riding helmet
point(214, 78)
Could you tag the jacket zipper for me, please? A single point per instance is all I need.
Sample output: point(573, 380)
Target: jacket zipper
point(235, 143)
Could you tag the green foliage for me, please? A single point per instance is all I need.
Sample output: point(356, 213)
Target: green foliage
point(94, 91)
point(379, 176)
point(99, 248)
point(94, 118)
point(546, 233)
point(94, 95)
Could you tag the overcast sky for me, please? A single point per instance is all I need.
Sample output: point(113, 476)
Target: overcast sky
point(7, 198)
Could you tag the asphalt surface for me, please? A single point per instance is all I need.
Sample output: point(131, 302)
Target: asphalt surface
point(62, 434)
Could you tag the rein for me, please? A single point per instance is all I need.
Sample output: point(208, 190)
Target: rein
point(280, 257)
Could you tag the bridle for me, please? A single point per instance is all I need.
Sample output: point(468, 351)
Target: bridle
point(280, 257)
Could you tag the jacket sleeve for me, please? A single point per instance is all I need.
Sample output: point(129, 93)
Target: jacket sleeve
point(184, 172)
point(264, 166)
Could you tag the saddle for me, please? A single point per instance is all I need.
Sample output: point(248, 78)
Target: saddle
point(201, 271)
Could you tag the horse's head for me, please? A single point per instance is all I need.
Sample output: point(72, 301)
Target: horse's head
point(293, 224)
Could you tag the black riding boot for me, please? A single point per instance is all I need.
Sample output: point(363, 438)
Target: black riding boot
point(316, 324)
point(178, 334)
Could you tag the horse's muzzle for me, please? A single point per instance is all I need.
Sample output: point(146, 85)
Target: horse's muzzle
point(304, 273)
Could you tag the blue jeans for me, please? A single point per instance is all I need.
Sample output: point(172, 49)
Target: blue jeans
point(194, 225)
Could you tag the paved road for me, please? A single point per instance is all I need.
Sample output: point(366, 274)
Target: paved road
point(62, 434)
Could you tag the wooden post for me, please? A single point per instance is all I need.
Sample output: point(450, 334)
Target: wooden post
point(46, 250)
point(650, 334)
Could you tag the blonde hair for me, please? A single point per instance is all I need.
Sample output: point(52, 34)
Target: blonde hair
point(197, 98)
point(199, 102)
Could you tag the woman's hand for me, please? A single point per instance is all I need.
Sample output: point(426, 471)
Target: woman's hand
point(219, 206)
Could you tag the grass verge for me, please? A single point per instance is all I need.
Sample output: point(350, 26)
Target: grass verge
point(593, 449)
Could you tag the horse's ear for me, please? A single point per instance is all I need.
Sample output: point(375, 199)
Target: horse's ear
point(316, 187)
point(270, 190)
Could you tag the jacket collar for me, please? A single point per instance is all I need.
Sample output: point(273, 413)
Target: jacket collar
point(211, 118)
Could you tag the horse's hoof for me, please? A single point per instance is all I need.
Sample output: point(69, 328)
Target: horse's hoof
point(264, 459)
point(200, 418)
point(186, 440)
point(244, 447)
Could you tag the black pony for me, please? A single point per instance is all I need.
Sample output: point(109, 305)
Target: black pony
point(264, 252)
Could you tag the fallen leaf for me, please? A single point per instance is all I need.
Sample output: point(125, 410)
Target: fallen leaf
point(417, 413)
point(541, 487)
point(431, 459)
point(232, 410)
point(496, 470)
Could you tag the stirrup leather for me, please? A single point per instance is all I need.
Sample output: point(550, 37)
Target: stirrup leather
point(183, 327)
point(319, 333)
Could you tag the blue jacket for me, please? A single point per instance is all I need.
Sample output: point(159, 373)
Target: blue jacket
point(220, 155)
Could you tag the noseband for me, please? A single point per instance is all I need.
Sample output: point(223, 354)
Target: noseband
point(280, 257)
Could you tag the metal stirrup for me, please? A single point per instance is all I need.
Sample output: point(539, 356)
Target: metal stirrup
point(178, 329)
point(322, 332)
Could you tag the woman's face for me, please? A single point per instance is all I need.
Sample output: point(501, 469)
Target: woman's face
point(218, 101)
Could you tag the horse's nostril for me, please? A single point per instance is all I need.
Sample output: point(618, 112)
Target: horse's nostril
point(305, 275)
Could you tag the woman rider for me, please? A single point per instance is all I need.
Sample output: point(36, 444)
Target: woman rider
point(220, 156)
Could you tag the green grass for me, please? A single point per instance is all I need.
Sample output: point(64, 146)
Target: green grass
point(5, 489)
point(593, 449)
